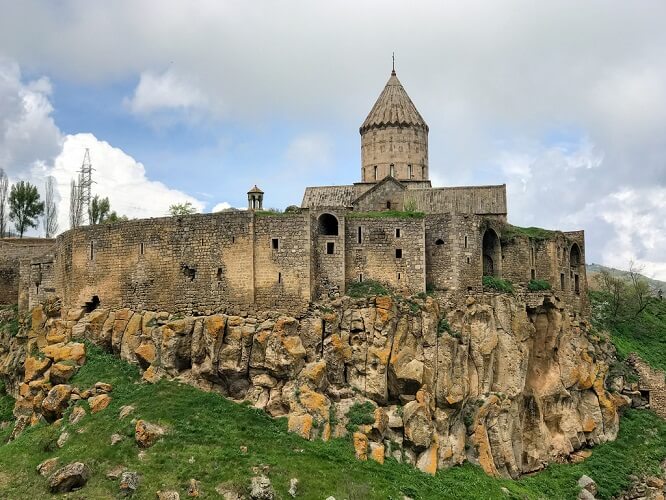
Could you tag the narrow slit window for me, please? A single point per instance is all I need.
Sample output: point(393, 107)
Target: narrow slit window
point(533, 274)
point(360, 235)
point(409, 171)
point(465, 241)
point(141, 248)
point(219, 274)
point(233, 239)
point(561, 281)
point(92, 250)
point(275, 243)
point(360, 278)
point(388, 205)
point(375, 172)
point(392, 170)
point(468, 260)
point(279, 277)
point(398, 276)
point(398, 253)
point(330, 247)
point(397, 232)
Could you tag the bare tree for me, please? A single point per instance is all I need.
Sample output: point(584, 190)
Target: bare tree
point(76, 204)
point(4, 186)
point(640, 288)
point(50, 209)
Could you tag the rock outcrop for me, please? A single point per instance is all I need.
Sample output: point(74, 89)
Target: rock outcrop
point(507, 383)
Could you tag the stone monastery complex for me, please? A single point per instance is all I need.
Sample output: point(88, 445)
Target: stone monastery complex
point(392, 227)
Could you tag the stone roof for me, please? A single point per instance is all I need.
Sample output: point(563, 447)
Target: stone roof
point(329, 196)
point(255, 189)
point(393, 108)
point(481, 200)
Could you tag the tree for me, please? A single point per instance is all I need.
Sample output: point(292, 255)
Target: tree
point(4, 185)
point(639, 289)
point(50, 209)
point(76, 204)
point(100, 209)
point(182, 209)
point(614, 286)
point(24, 206)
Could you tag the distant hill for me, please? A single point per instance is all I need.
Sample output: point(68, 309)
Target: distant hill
point(593, 269)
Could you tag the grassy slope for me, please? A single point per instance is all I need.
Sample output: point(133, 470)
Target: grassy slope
point(644, 335)
point(206, 432)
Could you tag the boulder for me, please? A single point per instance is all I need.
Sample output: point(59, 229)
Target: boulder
point(147, 434)
point(587, 483)
point(129, 482)
point(35, 368)
point(61, 372)
point(168, 495)
point(115, 439)
point(62, 439)
point(293, 487)
point(47, 466)
point(261, 488)
point(194, 488)
point(77, 414)
point(69, 477)
point(56, 401)
point(99, 402)
point(125, 411)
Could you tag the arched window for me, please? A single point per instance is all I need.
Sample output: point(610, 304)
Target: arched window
point(439, 242)
point(409, 171)
point(392, 170)
point(328, 225)
point(375, 168)
point(491, 253)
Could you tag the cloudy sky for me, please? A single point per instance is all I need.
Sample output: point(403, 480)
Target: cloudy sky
point(564, 101)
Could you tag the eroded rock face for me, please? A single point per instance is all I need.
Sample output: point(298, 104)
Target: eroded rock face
point(501, 383)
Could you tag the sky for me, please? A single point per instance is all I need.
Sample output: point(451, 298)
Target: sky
point(564, 102)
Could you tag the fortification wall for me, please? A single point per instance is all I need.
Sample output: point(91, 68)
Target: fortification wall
point(193, 263)
point(391, 250)
point(12, 251)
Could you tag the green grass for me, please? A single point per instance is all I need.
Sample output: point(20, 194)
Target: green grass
point(386, 214)
point(645, 334)
point(360, 414)
point(366, 288)
point(538, 285)
point(510, 232)
point(499, 284)
point(206, 432)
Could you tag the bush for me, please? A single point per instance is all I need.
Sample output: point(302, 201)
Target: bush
point(360, 414)
point(493, 283)
point(538, 285)
point(367, 288)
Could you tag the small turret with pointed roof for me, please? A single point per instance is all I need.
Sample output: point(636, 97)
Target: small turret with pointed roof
point(255, 199)
point(394, 137)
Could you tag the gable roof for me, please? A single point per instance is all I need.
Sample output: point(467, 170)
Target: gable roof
point(328, 196)
point(379, 186)
point(393, 107)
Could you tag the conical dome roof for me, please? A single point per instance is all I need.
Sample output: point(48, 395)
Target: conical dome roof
point(393, 108)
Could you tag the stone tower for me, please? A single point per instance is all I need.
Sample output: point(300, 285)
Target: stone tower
point(394, 137)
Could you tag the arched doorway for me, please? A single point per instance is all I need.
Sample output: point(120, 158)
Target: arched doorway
point(491, 253)
point(574, 267)
point(328, 225)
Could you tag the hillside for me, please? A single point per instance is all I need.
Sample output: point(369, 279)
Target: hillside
point(593, 269)
point(206, 434)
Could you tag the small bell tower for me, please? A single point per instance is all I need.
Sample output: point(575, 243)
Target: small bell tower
point(255, 199)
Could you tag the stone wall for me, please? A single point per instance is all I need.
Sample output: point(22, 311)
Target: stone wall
point(12, 251)
point(391, 250)
point(651, 381)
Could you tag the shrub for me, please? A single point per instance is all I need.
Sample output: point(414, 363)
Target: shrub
point(360, 414)
point(538, 285)
point(498, 284)
point(366, 289)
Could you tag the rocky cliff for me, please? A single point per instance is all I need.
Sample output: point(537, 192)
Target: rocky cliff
point(509, 384)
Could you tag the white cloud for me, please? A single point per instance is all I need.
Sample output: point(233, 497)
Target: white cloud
point(309, 150)
point(32, 147)
point(117, 176)
point(221, 206)
point(164, 92)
